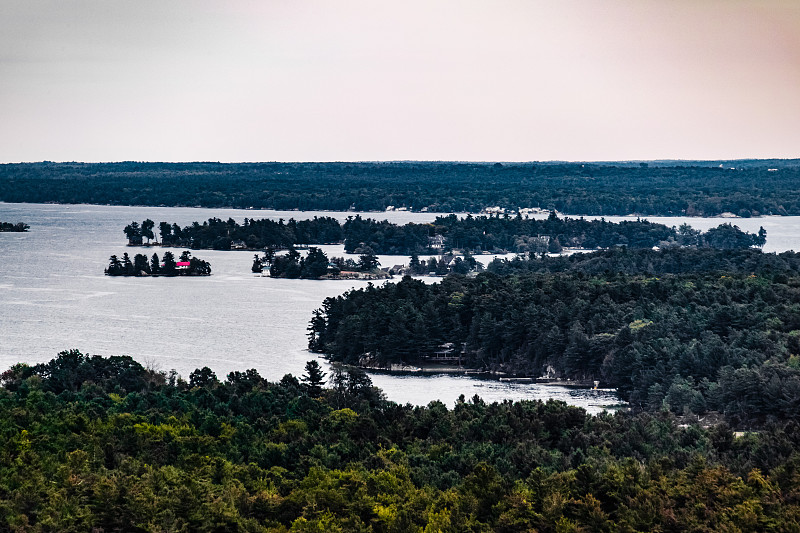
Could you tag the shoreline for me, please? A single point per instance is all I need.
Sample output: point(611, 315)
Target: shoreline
point(433, 369)
point(578, 215)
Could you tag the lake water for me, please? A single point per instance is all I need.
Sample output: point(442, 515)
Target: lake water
point(54, 296)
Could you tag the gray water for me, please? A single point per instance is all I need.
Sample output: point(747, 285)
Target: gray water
point(54, 296)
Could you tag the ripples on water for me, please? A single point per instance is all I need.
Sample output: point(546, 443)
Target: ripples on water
point(54, 296)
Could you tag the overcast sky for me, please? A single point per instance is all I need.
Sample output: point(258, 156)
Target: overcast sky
point(344, 80)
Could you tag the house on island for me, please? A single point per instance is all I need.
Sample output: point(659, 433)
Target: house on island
point(436, 242)
point(180, 265)
point(447, 353)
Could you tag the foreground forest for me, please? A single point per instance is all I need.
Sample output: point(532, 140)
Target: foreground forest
point(691, 331)
point(103, 444)
point(692, 188)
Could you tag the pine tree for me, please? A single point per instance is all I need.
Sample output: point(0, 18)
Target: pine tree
point(313, 379)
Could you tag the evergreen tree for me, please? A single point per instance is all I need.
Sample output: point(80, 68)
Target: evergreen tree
point(169, 267)
point(315, 264)
point(134, 233)
point(147, 230)
point(258, 266)
point(114, 267)
point(368, 261)
point(198, 267)
point(761, 240)
point(203, 377)
point(127, 265)
point(140, 264)
point(554, 246)
point(313, 379)
point(165, 230)
point(414, 265)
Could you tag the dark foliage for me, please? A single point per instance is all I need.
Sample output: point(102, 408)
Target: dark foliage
point(471, 234)
point(523, 235)
point(95, 444)
point(218, 234)
point(18, 227)
point(140, 266)
point(654, 262)
point(314, 265)
point(703, 188)
point(690, 342)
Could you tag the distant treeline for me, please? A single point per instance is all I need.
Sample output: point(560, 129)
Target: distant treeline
point(186, 265)
point(470, 234)
point(103, 444)
point(688, 342)
point(10, 226)
point(526, 235)
point(654, 262)
point(693, 188)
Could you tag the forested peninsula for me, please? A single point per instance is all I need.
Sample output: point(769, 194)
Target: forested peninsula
point(104, 444)
point(656, 188)
point(470, 234)
point(692, 331)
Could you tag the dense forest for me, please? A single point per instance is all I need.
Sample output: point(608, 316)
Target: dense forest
point(498, 234)
point(103, 444)
point(689, 342)
point(10, 226)
point(692, 188)
point(186, 265)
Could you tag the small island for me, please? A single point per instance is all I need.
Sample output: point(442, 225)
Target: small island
point(19, 227)
point(186, 265)
point(316, 265)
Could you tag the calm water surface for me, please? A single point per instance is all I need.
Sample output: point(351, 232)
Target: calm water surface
point(54, 296)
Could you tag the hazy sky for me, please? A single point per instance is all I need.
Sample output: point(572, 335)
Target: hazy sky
point(340, 80)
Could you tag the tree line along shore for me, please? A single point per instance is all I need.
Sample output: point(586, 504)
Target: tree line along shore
point(655, 188)
point(368, 237)
point(473, 234)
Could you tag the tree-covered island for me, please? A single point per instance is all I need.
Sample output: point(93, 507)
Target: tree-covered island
point(316, 265)
point(252, 234)
point(186, 265)
point(19, 227)
point(472, 234)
